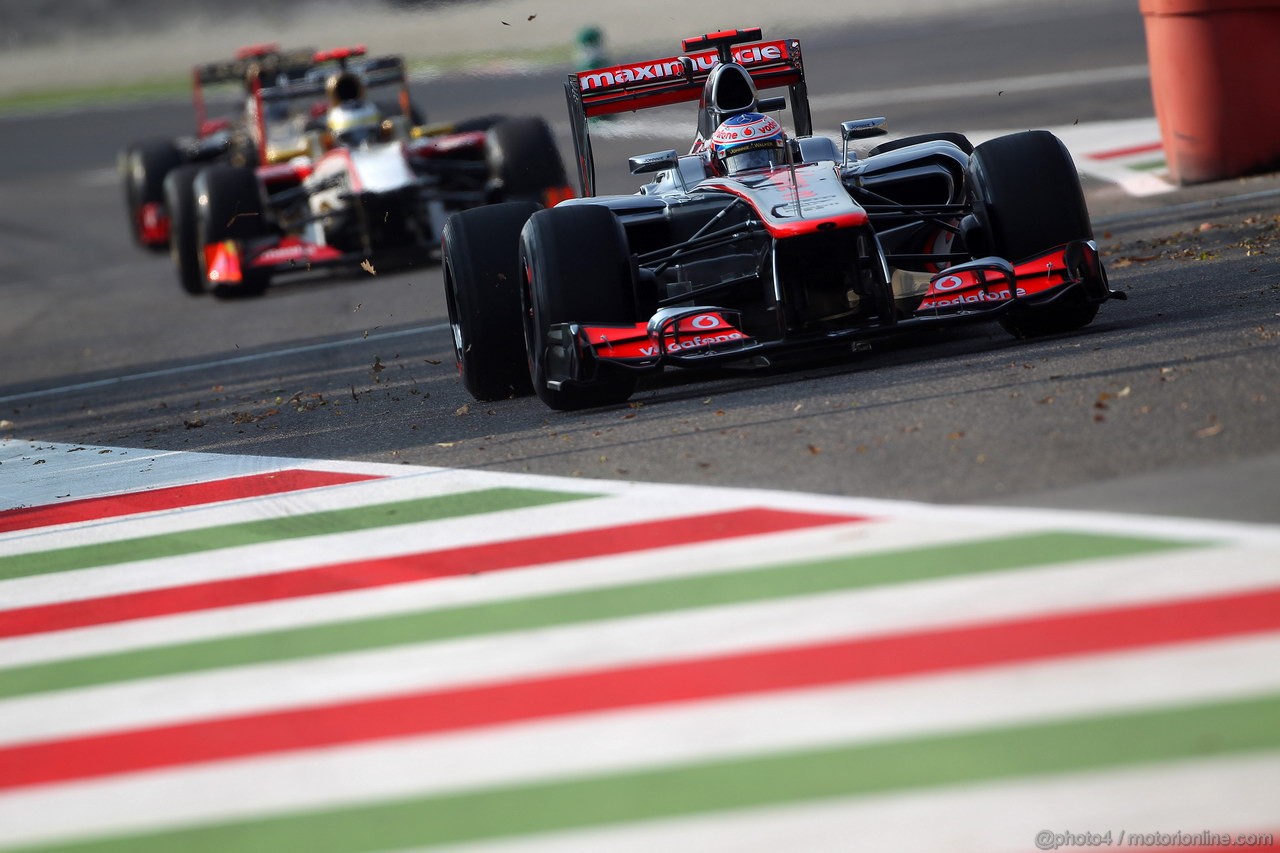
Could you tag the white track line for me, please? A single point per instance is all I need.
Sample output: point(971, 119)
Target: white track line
point(968, 90)
point(223, 362)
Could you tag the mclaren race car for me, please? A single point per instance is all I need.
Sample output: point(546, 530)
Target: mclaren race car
point(756, 242)
point(222, 137)
point(347, 178)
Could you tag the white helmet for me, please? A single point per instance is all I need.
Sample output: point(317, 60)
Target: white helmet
point(355, 123)
point(747, 141)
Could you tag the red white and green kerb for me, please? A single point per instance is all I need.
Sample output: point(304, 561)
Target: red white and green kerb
point(206, 652)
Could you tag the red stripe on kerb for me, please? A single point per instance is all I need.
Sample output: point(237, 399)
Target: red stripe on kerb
point(472, 559)
point(173, 497)
point(865, 659)
point(1125, 152)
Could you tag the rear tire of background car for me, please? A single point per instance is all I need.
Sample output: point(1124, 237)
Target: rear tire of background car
point(523, 159)
point(180, 199)
point(576, 267)
point(1027, 199)
point(482, 289)
point(228, 208)
point(143, 167)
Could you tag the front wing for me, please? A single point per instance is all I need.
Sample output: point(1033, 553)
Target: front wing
point(701, 335)
point(230, 262)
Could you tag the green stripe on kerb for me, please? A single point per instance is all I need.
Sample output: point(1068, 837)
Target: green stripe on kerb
point(279, 529)
point(1200, 731)
point(795, 579)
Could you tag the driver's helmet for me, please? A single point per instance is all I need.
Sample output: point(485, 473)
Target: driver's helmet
point(355, 123)
point(747, 141)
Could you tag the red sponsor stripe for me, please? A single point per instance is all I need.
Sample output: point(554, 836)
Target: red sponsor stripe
point(363, 574)
point(842, 662)
point(173, 497)
point(1125, 152)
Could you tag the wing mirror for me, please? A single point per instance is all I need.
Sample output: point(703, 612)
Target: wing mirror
point(864, 128)
point(861, 128)
point(644, 163)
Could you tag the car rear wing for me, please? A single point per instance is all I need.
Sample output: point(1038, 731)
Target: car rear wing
point(381, 71)
point(267, 59)
point(374, 72)
point(377, 72)
point(680, 79)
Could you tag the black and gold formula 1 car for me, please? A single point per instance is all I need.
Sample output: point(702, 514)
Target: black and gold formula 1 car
point(348, 177)
point(223, 133)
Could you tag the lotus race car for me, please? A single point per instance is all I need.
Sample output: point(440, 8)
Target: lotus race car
point(347, 177)
point(222, 138)
point(811, 244)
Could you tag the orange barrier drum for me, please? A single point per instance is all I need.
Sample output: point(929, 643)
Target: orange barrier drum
point(1215, 80)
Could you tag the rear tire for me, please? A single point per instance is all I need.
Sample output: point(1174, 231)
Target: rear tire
point(482, 289)
point(228, 207)
point(523, 159)
point(143, 167)
point(957, 139)
point(576, 267)
point(180, 199)
point(1027, 199)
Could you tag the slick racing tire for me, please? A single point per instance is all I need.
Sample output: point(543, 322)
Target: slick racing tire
point(180, 200)
point(228, 208)
point(482, 290)
point(143, 167)
point(1027, 199)
point(576, 267)
point(523, 159)
point(957, 139)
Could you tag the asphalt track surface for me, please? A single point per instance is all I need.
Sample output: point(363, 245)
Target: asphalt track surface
point(1166, 404)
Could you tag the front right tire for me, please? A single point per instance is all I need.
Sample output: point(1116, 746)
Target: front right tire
point(482, 290)
point(576, 268)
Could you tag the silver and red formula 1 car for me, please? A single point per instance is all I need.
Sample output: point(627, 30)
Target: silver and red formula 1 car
point(347, 177)
point(219, 93)
point(812, 244)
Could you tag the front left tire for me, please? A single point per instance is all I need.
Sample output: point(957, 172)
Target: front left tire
point(180, 199)
point(1027, 199)
point(228, 207)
